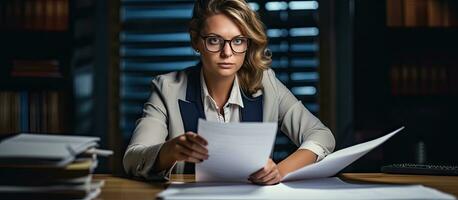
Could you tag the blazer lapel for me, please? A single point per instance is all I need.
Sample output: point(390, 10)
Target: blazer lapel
point(252, 111)
point(192, 109)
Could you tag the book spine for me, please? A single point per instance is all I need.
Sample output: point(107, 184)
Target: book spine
point(409, 13)
point(8, 14)
point(28, 14)
point(24, 111)
point(16, 117)
point(394, 14)
point(2, 112)
point(446, 14)
point(434, 13)
point(421, 13)
point(395, 79)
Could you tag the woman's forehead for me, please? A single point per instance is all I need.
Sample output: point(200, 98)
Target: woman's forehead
point(221, 25)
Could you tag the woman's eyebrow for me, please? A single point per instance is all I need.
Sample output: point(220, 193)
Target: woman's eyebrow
point(214, 34)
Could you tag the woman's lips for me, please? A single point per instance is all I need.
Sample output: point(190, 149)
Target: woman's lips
point(225, 65)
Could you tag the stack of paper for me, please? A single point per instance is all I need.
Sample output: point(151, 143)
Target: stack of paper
point(48, 167)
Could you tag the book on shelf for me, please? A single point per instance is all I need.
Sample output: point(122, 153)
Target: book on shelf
point(421, 13)
point(34, 111)
point(36, 68)
point(39, 15)
point(394, 15)
point(414, 76)
point(414, 13)
point(434, 12)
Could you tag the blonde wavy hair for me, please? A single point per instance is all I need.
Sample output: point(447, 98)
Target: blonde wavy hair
point(256, 59)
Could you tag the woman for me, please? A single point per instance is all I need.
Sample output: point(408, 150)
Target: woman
point(232, 83)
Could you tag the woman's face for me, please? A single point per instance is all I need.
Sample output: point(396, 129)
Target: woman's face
point(224, 63)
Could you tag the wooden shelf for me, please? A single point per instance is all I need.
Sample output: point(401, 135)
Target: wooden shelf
point(34, 83)
point(36, 43)
point(422, 38)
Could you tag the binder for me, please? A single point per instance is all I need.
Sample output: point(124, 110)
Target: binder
point(44, 150)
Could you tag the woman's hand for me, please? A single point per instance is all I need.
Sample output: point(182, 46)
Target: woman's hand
point(189, 147)
point(268, 175)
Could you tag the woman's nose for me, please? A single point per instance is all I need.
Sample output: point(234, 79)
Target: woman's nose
point(226, 51)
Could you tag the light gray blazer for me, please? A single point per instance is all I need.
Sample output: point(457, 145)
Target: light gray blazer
point(162, 120)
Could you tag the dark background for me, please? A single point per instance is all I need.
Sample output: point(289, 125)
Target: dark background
point(360, 74)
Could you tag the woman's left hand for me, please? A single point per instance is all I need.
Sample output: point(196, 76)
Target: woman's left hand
point(268, 175)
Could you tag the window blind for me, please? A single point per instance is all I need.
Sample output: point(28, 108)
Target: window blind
point(154, 40)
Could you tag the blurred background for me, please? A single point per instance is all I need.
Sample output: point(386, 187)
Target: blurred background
point(365, 68)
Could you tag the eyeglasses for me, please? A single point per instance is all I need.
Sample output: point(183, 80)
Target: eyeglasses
point(215, 43)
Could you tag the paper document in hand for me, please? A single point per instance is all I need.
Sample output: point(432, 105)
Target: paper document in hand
point(235, 150)
point(338, 160)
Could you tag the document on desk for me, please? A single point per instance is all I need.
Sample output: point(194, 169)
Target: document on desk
point(235, 150)
point(338, 160)
point(325, 188)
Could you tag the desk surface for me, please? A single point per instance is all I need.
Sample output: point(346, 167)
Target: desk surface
point(121, 188)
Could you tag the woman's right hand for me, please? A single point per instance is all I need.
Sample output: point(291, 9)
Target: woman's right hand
point(189, 147)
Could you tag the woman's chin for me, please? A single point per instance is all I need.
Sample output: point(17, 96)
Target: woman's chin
point(226, 72)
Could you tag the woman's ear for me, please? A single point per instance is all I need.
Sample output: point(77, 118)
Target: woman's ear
point(195, 42)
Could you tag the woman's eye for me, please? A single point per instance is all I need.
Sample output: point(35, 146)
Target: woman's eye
point(237, 41)
point(214, 40)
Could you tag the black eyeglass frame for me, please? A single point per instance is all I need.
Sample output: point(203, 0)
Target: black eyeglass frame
point(224, 43)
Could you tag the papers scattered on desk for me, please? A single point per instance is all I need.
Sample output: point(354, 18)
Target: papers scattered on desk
point(326, 188)
point(236, 150)
point(36, 166)
point(338, 160)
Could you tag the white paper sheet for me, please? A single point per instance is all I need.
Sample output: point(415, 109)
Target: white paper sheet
point(235, 150)
point(326, 188)
point(338, 160)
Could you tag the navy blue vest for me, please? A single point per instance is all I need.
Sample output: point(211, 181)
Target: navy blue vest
point(192, 109)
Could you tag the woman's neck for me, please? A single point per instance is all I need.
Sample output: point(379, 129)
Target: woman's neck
point(219, 88)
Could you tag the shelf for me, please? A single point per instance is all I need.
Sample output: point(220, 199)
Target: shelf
point(426, 98)
point(422, 38)
point(34, 83)
point(35, 42)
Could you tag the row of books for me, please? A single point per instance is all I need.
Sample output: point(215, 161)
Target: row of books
point(36, 68)
point(40, 15)
point(36, 166)
point(417, 79)
point(33, 111)
point(422, 13)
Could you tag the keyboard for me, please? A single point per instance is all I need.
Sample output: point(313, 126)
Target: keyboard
point(424, 169)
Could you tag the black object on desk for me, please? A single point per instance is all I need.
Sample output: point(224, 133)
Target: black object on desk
point(425, 169)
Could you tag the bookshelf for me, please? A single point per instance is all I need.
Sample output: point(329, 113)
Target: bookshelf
point(405, 73)
point(36, 90)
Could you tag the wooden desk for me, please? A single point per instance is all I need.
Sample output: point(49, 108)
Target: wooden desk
point(121, 188)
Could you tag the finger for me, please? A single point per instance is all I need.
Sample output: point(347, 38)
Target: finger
point(271, 175)
point(262, 172)
point(190, 153)
point(196, 138)
point(193, 146)
point(192, 159)
point(273, 181)
point(270, 170)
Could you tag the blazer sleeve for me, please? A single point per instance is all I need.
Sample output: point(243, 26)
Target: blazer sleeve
point(149, 135)
point(301, 126)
